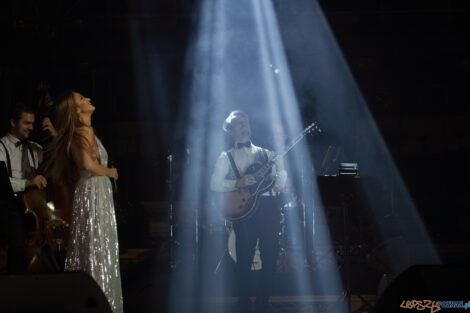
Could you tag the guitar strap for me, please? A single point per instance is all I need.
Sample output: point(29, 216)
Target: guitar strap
point(8, 158)
point(234, 167)
point(261, 155)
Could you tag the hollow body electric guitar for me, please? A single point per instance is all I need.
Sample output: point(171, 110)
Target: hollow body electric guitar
point(242, 203)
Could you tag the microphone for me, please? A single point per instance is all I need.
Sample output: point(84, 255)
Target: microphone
point(111, 164)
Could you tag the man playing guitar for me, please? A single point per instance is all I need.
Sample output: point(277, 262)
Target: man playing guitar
point(229, 175)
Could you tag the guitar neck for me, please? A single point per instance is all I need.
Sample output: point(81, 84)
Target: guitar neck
point(312, 127)
point(291, 145)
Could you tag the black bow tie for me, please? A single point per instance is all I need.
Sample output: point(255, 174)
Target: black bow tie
point(244, 144)
point(21, 142)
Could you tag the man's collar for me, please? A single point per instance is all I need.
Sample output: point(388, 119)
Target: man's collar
point(12, 138)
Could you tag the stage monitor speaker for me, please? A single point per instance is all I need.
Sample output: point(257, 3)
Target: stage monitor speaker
point(70, 292)
point(426, 282)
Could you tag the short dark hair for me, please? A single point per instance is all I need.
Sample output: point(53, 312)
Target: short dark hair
point(228, 121)
point(18, 109)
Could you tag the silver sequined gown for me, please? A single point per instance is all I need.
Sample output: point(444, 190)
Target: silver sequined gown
point(93, 245)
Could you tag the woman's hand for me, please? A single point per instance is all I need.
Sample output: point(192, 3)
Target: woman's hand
point(113, 173)
point(47, 125)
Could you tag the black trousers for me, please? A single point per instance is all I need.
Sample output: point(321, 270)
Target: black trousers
point(265, 225)
point(12, 228)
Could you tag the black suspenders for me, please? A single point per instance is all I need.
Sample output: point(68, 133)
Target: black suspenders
point(265, 155)
point(234, 167)
point(8, 157)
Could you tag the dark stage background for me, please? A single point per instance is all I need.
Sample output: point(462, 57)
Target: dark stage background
point(411, 60)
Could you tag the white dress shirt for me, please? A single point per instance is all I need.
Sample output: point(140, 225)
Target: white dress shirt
point(17, 180)
point(223, 179)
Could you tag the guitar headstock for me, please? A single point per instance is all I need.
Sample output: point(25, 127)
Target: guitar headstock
point(310, 129)
point(313, 128)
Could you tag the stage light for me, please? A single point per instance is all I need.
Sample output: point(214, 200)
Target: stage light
point(237, 60)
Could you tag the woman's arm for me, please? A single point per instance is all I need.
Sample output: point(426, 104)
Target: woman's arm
point(82, 154)
point(48, 126)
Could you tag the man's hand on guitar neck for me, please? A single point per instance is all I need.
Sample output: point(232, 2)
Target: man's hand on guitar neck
point(246, 180)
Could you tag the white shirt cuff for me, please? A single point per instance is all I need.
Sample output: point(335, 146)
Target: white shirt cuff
point(18, 184)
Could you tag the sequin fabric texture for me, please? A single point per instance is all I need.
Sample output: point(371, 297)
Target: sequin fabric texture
point(93, 245)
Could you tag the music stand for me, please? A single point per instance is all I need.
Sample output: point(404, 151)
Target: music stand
point(344, 191)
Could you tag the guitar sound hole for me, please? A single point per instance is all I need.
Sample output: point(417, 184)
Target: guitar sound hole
point(241, 207)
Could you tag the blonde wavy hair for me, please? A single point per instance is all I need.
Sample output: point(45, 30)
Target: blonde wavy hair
point(60, 166)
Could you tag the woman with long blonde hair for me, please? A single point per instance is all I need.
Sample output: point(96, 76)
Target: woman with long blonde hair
point(79, 159)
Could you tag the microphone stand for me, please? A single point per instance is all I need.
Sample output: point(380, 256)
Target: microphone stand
point(171, 215)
